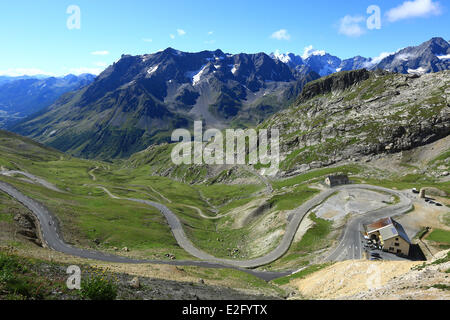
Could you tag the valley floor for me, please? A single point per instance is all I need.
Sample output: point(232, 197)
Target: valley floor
point(105, 207)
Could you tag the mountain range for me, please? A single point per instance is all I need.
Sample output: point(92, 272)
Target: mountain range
point(139, 100)
point(5, 79)
point(23, 96)
point(347, 117)
point(355, 115)
point(430, 56)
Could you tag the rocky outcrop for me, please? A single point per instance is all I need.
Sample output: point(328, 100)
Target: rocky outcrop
point(362, 114)
point(338, 81)
point(28, 227)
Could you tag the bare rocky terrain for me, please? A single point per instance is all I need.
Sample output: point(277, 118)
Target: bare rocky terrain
point(368, 280)
point(361, 115)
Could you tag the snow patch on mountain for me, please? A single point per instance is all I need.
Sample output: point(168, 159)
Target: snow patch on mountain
point(234, 68)
point(285, 58)
point(153, 69)
point(419, 71)
point(146, 57)
point(198, 76)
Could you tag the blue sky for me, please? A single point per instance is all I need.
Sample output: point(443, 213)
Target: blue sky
point(35, 37)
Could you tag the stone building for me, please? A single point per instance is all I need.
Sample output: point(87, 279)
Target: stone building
point(336, 180)
point(391, 235)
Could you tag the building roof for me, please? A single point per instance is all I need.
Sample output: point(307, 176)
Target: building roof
point(377, 225)
point(388, 232)
point(401, 232)
point(338, 177)
point(388, 228)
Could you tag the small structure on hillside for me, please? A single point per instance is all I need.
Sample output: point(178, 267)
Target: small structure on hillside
point(390, 235)
point(422, 194)
point(337, 180)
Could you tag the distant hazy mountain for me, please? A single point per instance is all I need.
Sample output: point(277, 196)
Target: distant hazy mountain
point(139, 100)
point(5, 79)
point(355, 63)
point(22, 97)
point(430, 56)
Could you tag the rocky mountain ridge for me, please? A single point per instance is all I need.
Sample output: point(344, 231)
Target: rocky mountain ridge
point(360, 114)
point(140, 100)
point(20, 97)
point(430, 56)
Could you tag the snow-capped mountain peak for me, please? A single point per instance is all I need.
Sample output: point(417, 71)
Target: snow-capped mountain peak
point(290, 59)
point(430, 56)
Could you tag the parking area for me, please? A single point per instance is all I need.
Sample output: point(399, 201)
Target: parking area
point(374, 252)
point(428, 200)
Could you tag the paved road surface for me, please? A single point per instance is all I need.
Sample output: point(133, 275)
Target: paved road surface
point(51, 237)
point(351, 242)
point(344, 250)
point(30, 176)
point(348, 248)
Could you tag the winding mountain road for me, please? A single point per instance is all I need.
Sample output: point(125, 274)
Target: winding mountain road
point(52, 239)
point(351, 233)
point(351, 236)
point(45, 183)
point(350, 246)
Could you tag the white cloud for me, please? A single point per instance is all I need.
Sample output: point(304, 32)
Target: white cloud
point(210, 33)
point(414, 9)
point(16, 72)
point(172, 36)
point(210, 41)
point(404, 57)
point(377, 59)
point(350, 26)
point(100, 53)
point(310, 51)
point(147, 40)
point(281, 34)
point(381, 57)
point(181, 32)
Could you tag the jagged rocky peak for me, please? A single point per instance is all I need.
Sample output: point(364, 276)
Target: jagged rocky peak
point(369, 113)
point(140, 99)
point(430, 56)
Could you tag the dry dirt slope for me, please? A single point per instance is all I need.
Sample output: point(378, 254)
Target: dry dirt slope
point(379, 280)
